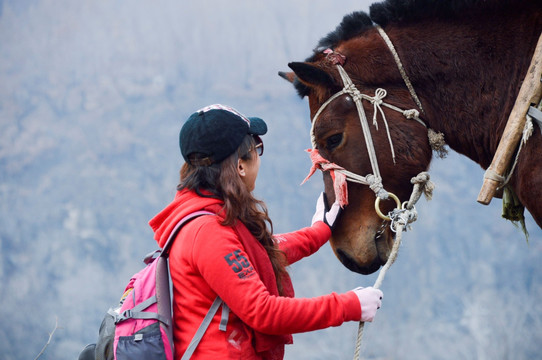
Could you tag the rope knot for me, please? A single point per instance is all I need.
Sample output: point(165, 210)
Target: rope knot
point(377, 101)
point(422, 184)
point(437, 143)
point(411, 114)
point(375, 184)
point(403, 217)
point(527, 130)
point(353, 91)
point(379, 95)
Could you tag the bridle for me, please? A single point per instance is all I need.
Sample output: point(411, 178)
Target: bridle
point(399, 218)
point(341, 175)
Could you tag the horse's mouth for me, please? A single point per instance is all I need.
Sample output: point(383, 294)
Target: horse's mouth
point(352, 265)
point(381, 240)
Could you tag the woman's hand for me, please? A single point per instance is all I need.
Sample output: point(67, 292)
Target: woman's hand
point(370, 300)
point(325, 213)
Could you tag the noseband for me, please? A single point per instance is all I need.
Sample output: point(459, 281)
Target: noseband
point(340, 175)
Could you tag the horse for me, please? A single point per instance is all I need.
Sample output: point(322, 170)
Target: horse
point(457, 66)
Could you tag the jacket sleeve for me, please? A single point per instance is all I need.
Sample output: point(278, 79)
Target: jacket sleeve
point(302, 243)
point(222, 261)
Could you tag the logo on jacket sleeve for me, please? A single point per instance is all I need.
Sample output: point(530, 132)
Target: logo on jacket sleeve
point(239, 264)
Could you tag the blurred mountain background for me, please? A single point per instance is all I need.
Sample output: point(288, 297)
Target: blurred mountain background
point(92, 96)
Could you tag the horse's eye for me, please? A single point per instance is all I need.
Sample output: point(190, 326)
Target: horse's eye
point(333, 141)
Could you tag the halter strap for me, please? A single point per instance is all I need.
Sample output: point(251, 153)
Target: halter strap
point(400, 67)
point(373, 180)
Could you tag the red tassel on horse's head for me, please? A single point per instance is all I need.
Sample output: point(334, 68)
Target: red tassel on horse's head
point(339, 179)
point(335, 57)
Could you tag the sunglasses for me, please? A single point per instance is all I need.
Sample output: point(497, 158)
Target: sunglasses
point(259, 145)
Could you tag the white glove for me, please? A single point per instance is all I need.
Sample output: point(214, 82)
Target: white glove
point(370, 300)
point(324, 212)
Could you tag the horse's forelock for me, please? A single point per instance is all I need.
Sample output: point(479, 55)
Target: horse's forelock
point(351, 26)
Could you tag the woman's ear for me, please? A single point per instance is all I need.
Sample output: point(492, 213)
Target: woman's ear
point(241, 167)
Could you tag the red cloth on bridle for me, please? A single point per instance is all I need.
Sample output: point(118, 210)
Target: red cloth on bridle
point(339, 179)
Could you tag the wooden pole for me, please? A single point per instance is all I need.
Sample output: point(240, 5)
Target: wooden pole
point(529, 93)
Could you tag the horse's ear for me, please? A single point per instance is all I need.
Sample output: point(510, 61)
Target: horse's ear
point(288, 76)
point(311, 75)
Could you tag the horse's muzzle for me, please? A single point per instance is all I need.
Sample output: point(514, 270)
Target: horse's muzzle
point(352, 265)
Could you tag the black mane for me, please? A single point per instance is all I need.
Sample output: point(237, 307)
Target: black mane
point(351, 26)
point(407, 11)
point(404, 12)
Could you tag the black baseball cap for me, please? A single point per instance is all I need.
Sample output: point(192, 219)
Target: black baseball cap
point(216, 131)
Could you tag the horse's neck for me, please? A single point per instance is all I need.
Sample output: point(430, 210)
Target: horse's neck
point(468, 75)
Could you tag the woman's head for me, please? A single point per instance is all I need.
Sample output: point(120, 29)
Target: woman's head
point(221, 148)
point(215, 132)
point(234, 175)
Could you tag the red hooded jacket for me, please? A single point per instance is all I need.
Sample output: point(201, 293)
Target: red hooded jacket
point(205, 262)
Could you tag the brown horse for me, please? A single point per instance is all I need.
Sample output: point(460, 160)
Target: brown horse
point(465, 60)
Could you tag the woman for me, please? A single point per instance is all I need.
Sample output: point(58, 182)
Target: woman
point(233, 254)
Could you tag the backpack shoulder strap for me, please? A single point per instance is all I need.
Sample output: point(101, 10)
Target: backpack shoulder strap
point(163, 279)
point(183, 221)
point(163, 294)
point(202, 328)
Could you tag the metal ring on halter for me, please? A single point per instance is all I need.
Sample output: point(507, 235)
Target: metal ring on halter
point(377, 206)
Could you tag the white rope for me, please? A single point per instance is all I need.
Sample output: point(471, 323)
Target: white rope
point(378, 283)
point(501, 179)
point(422, 185)
point(400, 66)
point(349, 88)
point(436, 140)
point(377, 101)
point(401, 219)
point(527, 132)
point(356, 95)
point(322, 107)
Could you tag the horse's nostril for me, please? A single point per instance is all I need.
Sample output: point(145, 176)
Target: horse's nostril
point(351, 265)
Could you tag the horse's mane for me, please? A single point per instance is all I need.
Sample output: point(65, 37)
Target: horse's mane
point(407, 11)
point(351, 26)
point(403, 12)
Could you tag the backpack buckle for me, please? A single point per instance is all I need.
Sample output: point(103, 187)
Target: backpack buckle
point(126, 314)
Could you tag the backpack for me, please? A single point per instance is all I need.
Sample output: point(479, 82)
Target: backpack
point(141, 326)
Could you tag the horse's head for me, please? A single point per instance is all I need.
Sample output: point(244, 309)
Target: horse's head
point(362, 240)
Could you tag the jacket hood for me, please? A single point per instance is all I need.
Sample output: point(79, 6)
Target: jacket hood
point(185, 203)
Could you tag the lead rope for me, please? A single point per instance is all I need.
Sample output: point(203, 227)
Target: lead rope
point(400, 220)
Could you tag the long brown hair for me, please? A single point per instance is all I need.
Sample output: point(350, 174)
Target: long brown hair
point(223, 182)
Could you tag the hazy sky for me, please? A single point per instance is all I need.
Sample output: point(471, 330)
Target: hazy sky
point(92, 97)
